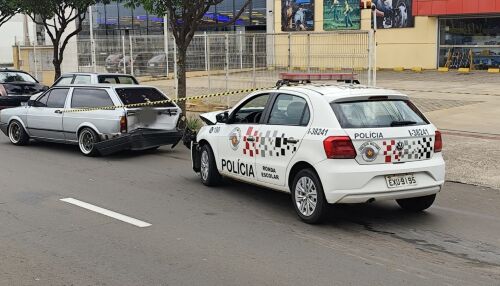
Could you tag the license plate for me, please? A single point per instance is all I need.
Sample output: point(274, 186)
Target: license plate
point(397, 181)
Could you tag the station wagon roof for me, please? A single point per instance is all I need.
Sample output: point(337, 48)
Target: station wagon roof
point(334, 92)
point(104, 86)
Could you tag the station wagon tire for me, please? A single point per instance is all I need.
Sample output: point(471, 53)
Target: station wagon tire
point(17, 134)
point(208, 169)
point(308, 197)
point(416, 204)
point(86, 142)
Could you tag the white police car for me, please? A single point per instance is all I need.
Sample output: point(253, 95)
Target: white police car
point(325, 144)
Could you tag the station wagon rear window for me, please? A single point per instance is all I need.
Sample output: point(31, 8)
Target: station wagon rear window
point(142, 95)
point(378, 114)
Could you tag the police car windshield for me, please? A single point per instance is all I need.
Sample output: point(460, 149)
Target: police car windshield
point(377, 114)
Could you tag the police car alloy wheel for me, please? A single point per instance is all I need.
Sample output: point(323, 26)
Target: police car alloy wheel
point(208, 170)
point(417, 204)
point(308, 197)
point(17, 135)
point(86, 141)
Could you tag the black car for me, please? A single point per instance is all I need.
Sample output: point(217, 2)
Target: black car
point(17, 87)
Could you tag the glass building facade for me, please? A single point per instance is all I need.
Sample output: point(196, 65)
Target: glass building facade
point(116, 18)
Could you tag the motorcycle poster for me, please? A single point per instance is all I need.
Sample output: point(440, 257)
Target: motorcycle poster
point(394, 14)
point(297, 15)
point(341, 15)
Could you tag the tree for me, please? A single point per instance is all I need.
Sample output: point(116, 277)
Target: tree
point(7, 10)
point(185, 18)
point(58, 18)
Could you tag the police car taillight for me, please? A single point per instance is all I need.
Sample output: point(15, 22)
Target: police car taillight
point(438, 142)
point(339, 147)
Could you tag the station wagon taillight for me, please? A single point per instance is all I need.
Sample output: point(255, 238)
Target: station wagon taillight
point(339, 147)
point(438, 142)
point(123, 124)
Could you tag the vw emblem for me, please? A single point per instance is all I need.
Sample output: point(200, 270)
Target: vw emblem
point(400, 146)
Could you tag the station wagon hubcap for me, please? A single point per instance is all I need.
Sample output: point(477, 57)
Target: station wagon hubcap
point(204, 165)
point(86, 141)
point(14, 132)
point(306, 196)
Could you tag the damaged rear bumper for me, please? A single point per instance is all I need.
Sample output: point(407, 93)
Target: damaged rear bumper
point(140, 139)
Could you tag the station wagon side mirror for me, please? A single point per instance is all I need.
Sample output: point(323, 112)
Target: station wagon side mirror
point(222, 117)
point(31, 102)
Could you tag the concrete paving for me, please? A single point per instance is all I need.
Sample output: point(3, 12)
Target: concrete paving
point(235, 234)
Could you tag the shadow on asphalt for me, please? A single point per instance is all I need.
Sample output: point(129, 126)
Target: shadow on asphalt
point(369, 216)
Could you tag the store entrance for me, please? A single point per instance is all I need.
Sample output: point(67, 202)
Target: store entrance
point(469, 42)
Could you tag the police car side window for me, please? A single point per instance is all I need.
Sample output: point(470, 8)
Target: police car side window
point(289, 110)
point(250, 112)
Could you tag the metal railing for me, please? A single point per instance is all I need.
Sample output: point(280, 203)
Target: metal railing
point(228, 61)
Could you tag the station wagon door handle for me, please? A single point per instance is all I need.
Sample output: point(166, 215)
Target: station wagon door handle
point(250, 139)
point(292, 140)
point(58, 111)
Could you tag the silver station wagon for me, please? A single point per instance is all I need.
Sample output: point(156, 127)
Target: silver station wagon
point(58, 116)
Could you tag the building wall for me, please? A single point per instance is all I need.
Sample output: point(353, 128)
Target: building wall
point(455, 7)
point(407, 47)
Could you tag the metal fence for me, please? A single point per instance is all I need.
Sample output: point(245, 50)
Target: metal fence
point(231, 61)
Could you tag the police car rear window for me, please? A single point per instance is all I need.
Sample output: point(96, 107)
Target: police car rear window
point(377, 114)
point(142, 95)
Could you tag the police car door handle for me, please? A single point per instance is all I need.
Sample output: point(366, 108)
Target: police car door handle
point(250, 138)
point(292, 140)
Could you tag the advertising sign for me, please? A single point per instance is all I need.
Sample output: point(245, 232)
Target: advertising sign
point(394, 14)
point(297, 15)
point(341, 15)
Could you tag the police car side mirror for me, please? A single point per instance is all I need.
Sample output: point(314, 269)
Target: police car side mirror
point(222, 117)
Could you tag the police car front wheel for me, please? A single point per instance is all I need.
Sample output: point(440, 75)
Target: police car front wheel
point(208, 169)
point(308, 197)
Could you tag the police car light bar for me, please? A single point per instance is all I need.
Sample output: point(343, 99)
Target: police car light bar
point(288, 77)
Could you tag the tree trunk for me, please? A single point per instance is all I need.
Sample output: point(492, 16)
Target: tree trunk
point(56, 61)
point(181, 78)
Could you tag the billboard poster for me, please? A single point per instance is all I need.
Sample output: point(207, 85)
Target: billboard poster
point(394, 14)
point(297, 15)
point(341, 15)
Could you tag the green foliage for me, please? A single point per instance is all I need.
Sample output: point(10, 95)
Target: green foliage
point(8, 8)
point(193, 123)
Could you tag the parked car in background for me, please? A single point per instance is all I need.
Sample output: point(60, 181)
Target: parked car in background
point(157, 65)
point(112, 63)
point(140, 62)
point(16, 87)
point(59, 115)
point(95, 78)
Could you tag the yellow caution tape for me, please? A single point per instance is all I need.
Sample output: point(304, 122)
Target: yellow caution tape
point(145, 104)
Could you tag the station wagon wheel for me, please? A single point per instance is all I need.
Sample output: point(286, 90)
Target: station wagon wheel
point(86, 141)
point(17, 134)
point(308, 197)
point(208, 169)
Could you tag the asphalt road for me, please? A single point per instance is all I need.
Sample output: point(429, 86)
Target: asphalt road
point(232, 235)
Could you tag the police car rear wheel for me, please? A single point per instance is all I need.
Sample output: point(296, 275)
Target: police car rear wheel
point(417, 204)
point(208, 169)
point(308, 197)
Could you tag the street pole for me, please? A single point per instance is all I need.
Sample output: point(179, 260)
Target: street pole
point(165, 36)
point(92, 43)
point(34, 50)
point(374, 77)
